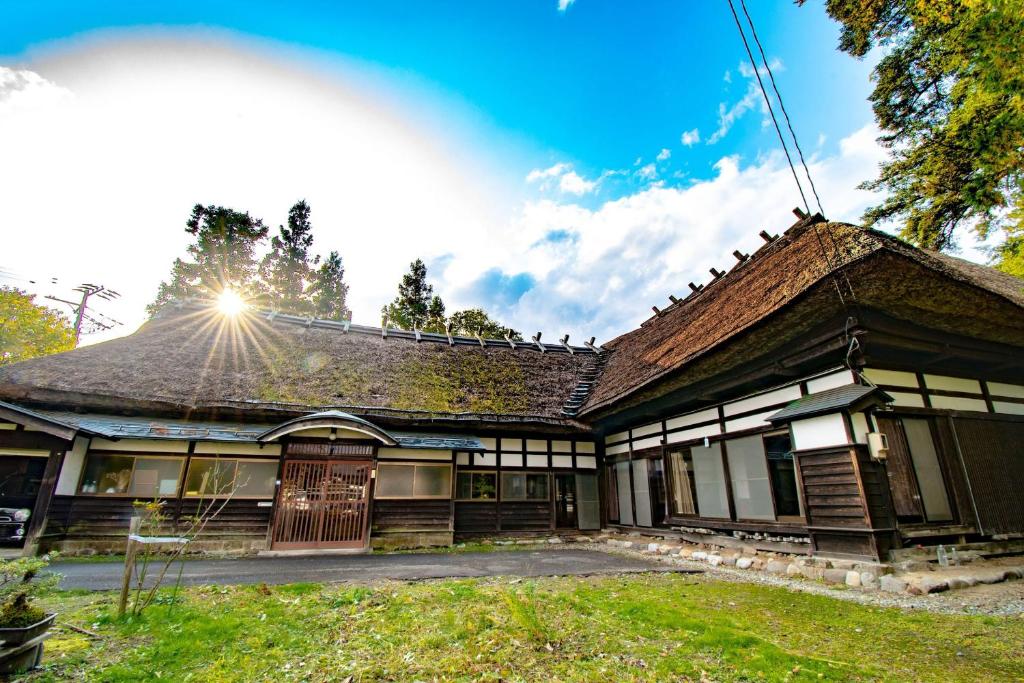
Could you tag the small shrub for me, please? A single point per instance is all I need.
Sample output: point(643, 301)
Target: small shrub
point(20, 581)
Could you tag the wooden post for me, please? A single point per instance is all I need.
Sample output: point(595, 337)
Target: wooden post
point(129, 565)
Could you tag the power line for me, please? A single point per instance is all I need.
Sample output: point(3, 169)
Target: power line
point(782, 106)
point(80, 308)
point(767, 101)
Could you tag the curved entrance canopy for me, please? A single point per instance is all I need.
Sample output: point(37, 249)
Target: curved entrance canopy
point(329, 419)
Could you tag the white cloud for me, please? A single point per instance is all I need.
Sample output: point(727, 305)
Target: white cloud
point(648, 172)
point(538, 174)
point(597, 271)
point(562, 176)
point(572, 183)
point(728, 115)
point(664, 154)
point(689, 138)
point(564, 4)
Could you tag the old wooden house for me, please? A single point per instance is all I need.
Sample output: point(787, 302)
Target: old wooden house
point(837, 392)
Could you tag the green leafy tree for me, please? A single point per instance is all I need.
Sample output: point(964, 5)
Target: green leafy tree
point(28, 330)
point(223, 256)
point(411, 307)
point(328, 292)
point(949, 97)
point(474, 321)
point(435, 316)
point(287, 269)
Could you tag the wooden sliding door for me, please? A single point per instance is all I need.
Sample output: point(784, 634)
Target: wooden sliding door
point(323, 504)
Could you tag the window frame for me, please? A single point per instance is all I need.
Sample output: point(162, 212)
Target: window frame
point(185, 495)
point(475, 473)
point(503, 498)
point(415, 465)
point(182, 458)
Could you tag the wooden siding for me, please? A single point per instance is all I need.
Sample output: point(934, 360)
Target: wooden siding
point(476, 518)
point(411, 515)
point(94, 516)
point(526, 516)
point(991, 450)
point(832, 491)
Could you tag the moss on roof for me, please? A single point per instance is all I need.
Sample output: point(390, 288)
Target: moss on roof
point(197, 359)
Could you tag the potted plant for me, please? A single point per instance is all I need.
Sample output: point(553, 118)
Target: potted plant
point(23, 625)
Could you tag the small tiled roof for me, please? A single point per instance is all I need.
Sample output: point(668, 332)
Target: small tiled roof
point(848, 397)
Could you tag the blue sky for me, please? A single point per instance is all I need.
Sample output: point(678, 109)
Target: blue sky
point(562, 133)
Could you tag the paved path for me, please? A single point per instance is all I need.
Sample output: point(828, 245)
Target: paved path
point(319, 569)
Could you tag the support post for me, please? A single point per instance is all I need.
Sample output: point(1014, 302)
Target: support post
point(129, 565)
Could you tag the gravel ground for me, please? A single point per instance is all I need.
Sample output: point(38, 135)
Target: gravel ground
point(1000, 599)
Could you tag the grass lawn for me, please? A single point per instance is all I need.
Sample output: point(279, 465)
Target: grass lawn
point(636, 627)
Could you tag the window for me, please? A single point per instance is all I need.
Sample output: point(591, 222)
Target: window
point(683, 494)
point(211, 477)
point(709, 478)
point(20, 476)
point(782, 472)
point(131, 475)
point(413, 481)
point(748, 470)
point(476, 486)
point(524, 486)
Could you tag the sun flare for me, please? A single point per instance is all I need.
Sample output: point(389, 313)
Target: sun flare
point(230, 303)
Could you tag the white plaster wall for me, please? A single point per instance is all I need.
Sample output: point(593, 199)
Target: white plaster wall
point(237, 448)
point(621, 448)
point(860, 427)
point(957, 403)
point(141, 445)
point(819, 432)
point(537, 445)
point(71, 470)
point(1009, 390)
point(561, 446)
point(511, 459)
point(586, 462)
point(413, 454)
point(896, 378)
point(1008, 408)
point(692, 418)
point(561, 461)
point(825, 382)
point(910, 400)
point(695, 433)
point(515, 445)
point(941, 382)
point(645, 430)
point(584, 446)
point(771, 398)
point(749, 422)
point(534, 460)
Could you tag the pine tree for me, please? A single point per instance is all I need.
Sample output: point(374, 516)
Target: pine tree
point(411, 308)
point(328, 292)
point(287, 270)
point(223, 256)
point(948, 97)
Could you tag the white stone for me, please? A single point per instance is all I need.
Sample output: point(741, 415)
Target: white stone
point(652, 547)
point(744, 562)
point(700, 556)
point(853, 579)
point(793, 569)
point(892, 584)
point(714, 560)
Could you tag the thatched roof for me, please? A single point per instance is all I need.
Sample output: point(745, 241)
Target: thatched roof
point(914, 284)
point(196, 361)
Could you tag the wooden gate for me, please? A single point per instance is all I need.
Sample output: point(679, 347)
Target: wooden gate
point(323, 504)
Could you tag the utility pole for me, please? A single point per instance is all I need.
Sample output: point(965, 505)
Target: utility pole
point(80, 308)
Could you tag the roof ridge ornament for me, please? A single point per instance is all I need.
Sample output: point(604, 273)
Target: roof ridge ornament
point(536, 340)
